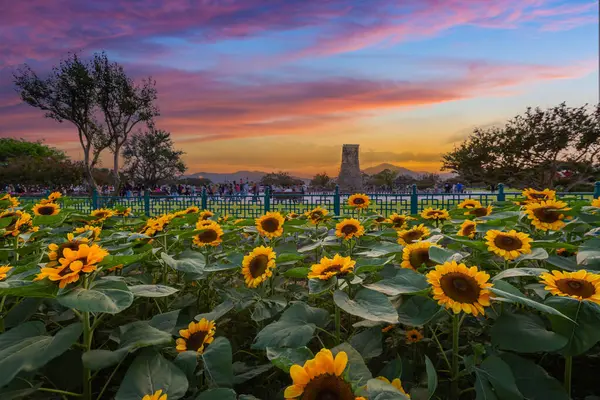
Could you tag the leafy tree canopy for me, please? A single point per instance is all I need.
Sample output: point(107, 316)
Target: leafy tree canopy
point(13, 148)
point(280, 179)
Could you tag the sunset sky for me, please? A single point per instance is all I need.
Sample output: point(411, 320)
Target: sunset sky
point(282, 84)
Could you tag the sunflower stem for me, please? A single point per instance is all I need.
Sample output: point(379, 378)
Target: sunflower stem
point(455, 336)
point(568, 372)
point(87, 342)
point(63, 392)
point(16, 247)
point(338, 318)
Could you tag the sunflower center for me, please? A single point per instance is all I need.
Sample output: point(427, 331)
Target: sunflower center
point(468, 230)
point(413, 336)
point(381, 219)
point(509, 243)
point(349, 229)
point(46, 210)
point(332, 268)
point(102, 214)
point(196, 340)
point(358, 201)
point(270, 224)
point(479, 212)
point(576, 287)
point(412, 236)
point(546, 215)
point(327, 387)
point(398, 222)
point(460, 287)
point(258, 265)
point(316, 215)
point(419, 257)
point(208, 236)
point(538, 196)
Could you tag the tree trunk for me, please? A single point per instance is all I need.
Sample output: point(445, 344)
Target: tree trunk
point(116, 177)
point(88, 170)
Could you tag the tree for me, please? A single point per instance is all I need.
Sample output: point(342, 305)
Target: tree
point(280, 178)
point(68, 94)
point(532, 148)
point(150, 158)
point(12, 148)
point(384, 179)
point(322, 182)
point(123, 103)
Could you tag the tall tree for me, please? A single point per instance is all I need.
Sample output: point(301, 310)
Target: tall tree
point(280, 178)
point(68, 94)
point(151, 158)
point(532, 148)
point(322, 181)
point(12, 148)
point(384, 179)
point(123, 103)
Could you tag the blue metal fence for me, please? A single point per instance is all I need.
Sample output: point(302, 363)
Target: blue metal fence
point(252, 206)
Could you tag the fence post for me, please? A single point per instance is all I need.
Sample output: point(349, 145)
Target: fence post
point(94, 199)
point(414, 200)
point(204, 199)
point(267, 199)
point(501, 196)
point(597, 190)
point(147, 202)
point(336, 200)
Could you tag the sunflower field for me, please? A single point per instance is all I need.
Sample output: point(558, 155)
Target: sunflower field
point(480, 302)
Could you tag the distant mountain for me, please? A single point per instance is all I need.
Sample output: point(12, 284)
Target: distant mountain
point(252, 176)
point(402, 171)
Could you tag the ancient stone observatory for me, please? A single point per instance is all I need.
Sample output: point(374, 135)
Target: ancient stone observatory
point(350, 178)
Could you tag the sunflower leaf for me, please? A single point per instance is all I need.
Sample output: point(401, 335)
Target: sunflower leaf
point(367, 304)
point(405, 281)
point(152, 290)
point(357, 370)
point(514, 272)
point(508, 292)
point(217, 359)
point(285, 358)
point(107, 296)
point(533, 381)
point(217, 394)
point(582, 328)
point(525, 333)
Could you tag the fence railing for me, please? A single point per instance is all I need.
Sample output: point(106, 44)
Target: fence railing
point(255, 205)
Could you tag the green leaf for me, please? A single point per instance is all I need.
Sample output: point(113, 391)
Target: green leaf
point(536, 254)
point(21, 312)
point(318, 286)
point(140, 334)
point(368, 342)
point(294, 329)
point(268, 308)
point(525, 333)
point(392, 370)
point(285, 358)
point(152, 290)
point(432, 378)
point(50, 220)
point(243, 372)
point(583, 328)
point(406, 281)
point(217, 312)
point(150, 372)
point(498, 374)
point(511, 294)
point(356, 369)
point(367, 304)
point(563, 262)
point(381, 249)
point(380, 390)
point(533, 381)
point(218, 394)
point(217, 360)
point(588, 254)
point(441, 255)
point(514, 272)
point(20, 288)
point(474, 244)
point(105, 296)
point(418, 311)
point(283, 258)
point(99, 359)
point(188, 261)
point(187, 361)
point(298, 272)
point(165, 322)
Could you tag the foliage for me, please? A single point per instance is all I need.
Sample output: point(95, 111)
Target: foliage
point(322, 181)
point(193, 308)
point(13, 148)
point(384, 179)
point(280, 178)
point(150, 158)
point(533, 149)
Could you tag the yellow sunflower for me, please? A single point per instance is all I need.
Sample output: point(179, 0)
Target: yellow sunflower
point(102, 214)
point(539, 195)
point(470, 203)
point(73, 263)
point(10, 201)
point(95, 231)
point(223, 218)
point(565, 253)
point(397, 383)
point(413, 336)
point(20, 222)
point(329, 267)
point(258, 266)
point(125, 212)
point(56, 250)
point(204, 215)
point(479, 211)
point(349, 228)
point(154, 225)
point(580, 285)
point(436, 214)
point(468, 229)
point(359, 201)
point(197, 336)
point(317, 215)
point(413, 235)
point(546, 215)
point(595, 203)
point(156, 396)
point(54, 196)
point(416, 254)
point(210, 236)
point(4, 270)
point(46, 209)
point(398, 221)
point(457, 287)
point(291, 216)
point(270, 225)
point(320, 378)
point(509, 245)
point(191, 210)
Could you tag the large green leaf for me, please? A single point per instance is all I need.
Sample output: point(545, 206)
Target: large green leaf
point(97, 359)
point(165, 322)
point(294, 329)
point(533, 381)
point(21, 288)
point(188, 261)
point(380, 390)
point(298, 272)
point(525, 333)
point(535, 254)
point(588, 254)
point(406, 281)
point(217, 361)
point(381, 249)
point(507, 292)
point(152, 290)
point(432, 378)
point(150, 372)
point(515, 272)
point(495, 372)
point(367, 304)
point(244, 372)
point(441, 255)
point(217, 312)
point(583, 330)
point(50, 220)
point(418, 311)
point(318, 286)
point(106, 296)
point(285, 358)
point(268, 308)
point(368, 342)
point(568, 263)
point(357, 370)
point(217, 394)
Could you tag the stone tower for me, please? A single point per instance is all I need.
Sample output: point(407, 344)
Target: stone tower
point(350, 179)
